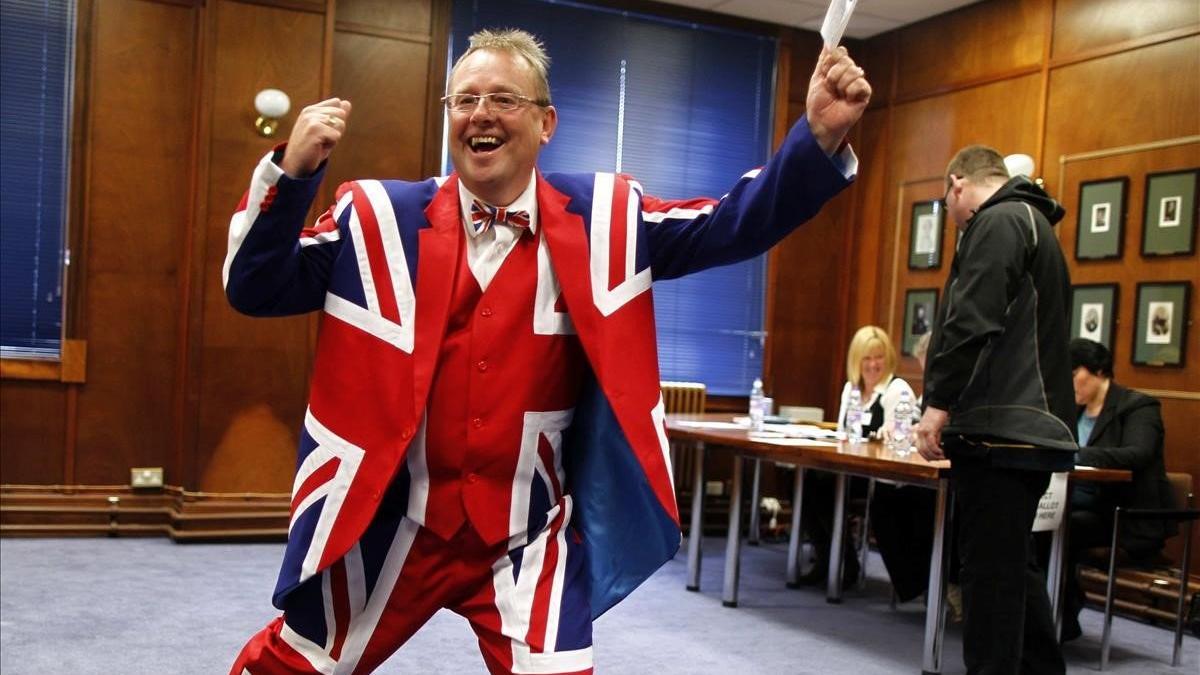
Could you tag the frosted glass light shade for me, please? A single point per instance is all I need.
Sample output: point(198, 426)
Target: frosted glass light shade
point(272, 103)
point(1019, 165)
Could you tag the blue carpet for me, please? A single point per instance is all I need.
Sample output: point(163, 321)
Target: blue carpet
point(81, 606)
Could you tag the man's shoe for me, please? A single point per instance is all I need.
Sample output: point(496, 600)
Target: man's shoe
point(1071, 629)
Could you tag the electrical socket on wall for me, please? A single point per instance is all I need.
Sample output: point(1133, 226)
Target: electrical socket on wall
point(146, 477)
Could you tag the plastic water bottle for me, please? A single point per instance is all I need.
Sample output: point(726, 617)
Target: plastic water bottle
point(756, 406)
point(900, 438)
point(854, 415)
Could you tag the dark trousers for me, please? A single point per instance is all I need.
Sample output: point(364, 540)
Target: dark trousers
point(1007, 624)
point(902, 520)
point(819, 491)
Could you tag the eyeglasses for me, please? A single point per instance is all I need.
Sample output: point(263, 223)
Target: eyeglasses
point(502, 101)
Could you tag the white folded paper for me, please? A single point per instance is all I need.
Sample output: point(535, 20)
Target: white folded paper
point(836, 19)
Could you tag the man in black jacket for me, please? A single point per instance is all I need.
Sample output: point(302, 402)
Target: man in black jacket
point(1120, 429)
point(999, 403)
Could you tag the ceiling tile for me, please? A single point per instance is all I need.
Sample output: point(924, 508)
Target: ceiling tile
point(909, 11)
point(862, 25)
point(783, 12)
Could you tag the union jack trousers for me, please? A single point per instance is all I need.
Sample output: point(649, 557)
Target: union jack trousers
point(527, 606)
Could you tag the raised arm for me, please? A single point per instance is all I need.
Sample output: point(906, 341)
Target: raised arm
point(765, 205)
point(274, 265)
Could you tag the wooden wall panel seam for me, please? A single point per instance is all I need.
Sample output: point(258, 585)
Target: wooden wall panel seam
point(77, 185)
point(783, 54)
point(1039, 143)
point(895, 85)
point(1125, 46)
point(899, 226)
point(71, 435)
point(80, 259)
point(1060, 62)
point(188, 324)
point(325, 89)
point(206, 29)
point(327, 63)
point(309, 6)
point(1064, 160)
point(343, 26)
point(982, 80)
point(1123, 149)
point(435, 85)
point(190, 4)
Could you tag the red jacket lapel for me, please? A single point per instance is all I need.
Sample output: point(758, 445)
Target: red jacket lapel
point(438, 246)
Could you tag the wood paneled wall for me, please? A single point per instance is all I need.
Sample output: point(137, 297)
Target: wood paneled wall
point(1051, 78)
point(164, 146)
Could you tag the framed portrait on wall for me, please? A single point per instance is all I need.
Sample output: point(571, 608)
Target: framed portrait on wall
point(1094, 312)
point(925, 236)
point(1171, 213)
point(1101, 223)
point(920, 306)
point(1160, 332)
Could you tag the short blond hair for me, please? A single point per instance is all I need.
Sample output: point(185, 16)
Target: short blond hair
point(862, 342)
point(517, 43)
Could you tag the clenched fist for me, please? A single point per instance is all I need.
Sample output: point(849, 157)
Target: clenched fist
point(838, 94)
point(318, 128)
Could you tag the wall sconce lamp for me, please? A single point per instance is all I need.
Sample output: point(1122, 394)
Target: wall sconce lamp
point(271, 105)
point(1021, 165)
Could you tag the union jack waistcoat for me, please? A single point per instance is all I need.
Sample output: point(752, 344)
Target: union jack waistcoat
point(380, 263)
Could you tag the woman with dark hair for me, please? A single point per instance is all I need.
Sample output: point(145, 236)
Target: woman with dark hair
point(1118, 428)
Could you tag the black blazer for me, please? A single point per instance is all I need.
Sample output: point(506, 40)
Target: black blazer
point(1129, 435)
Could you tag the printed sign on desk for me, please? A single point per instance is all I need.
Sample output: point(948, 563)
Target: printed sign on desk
point(1053, 503)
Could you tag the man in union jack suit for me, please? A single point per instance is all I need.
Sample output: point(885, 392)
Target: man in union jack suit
point(485, 428)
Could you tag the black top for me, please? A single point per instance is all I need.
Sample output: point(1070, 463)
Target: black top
point(1129, 435)
point(998, 354)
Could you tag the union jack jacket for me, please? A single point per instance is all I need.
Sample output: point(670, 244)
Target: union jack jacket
point(379, 265)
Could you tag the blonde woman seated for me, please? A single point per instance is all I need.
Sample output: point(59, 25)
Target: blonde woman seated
point(870, 368)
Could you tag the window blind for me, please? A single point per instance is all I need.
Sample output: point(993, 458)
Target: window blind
point(685, 109)
point(36, 63)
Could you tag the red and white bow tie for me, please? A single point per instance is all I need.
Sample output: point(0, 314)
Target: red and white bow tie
point(484, 216)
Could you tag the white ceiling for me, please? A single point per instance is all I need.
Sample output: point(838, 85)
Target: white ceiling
point(870, 17)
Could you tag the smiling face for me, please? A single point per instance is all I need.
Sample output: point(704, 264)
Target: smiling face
point(494, 151)
point(873, 366)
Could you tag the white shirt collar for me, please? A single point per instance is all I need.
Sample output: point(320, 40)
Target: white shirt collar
point(527, 201)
